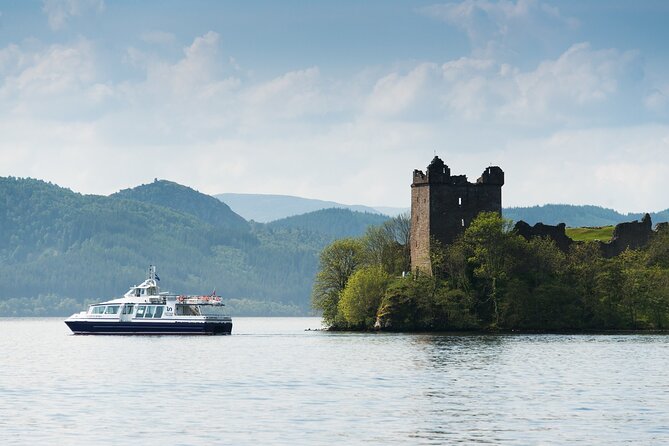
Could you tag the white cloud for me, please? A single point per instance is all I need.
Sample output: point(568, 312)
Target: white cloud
point(196, 118)
point(395, 93)
point(55, 80)
point(564, 89)
point(656, 100)
point(579, 77)
point(290, 95)
point(624, 168)
point(60, 11)
point(498, 27)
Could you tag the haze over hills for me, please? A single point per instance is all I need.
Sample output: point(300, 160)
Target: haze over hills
point(577, 216)
point(264, 208)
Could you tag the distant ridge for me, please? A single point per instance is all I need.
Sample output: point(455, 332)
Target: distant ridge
point(186, 200)
point(333, 222)
point(60, 249)
point(577, 215)
point(267, 208)
point(264, 208)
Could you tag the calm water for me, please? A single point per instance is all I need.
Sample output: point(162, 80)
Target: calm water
point(272, 382)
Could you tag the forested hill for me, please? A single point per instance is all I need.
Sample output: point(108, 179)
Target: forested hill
point(186, 200)
point(59, 249)
point(577, 216)
point(334, 222)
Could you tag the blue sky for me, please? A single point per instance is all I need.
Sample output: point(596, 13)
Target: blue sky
point(340, 100)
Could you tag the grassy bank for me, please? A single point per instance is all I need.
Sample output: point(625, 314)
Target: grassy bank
point(603, 233)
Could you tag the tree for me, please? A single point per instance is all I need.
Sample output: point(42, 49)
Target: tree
point(337, 262)
point(491, 242)
point(399, 229)
point(360, 299)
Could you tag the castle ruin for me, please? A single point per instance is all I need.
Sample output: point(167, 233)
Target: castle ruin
point(444, 205)
point(629, 235)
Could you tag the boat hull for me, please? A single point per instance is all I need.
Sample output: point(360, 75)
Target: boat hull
point(149, 328)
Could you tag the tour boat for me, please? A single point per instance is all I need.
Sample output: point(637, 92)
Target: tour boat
point(146, 310)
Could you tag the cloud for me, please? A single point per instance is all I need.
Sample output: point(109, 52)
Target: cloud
point(192, 115)
point(395, 93)
point(60, 11)
point(199, 77)
point(292, 92)
point(58, 81)
point(624, 168)
point(565, 89)
point(580, 77)
point(495, 27)
point(656, 100)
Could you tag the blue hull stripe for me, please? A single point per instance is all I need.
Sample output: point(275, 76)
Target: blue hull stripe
point(116, 327)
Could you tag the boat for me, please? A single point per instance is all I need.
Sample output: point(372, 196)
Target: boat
point(144, 309)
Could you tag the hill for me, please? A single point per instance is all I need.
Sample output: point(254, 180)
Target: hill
point(59, 249)
point(185, 200)
point(577, 216)
point(265, 208)
point(334, 222)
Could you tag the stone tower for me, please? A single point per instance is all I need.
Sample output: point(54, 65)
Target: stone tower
point(443, 206)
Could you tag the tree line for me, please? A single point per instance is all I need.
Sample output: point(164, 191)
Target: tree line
point(60, 250)
point(491, 279)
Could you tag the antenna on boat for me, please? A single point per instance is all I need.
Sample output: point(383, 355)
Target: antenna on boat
point(152, 273)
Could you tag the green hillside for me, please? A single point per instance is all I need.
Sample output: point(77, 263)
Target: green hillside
point(334, 222)
point(59, 248)
point(183, 199)
point(588, 234)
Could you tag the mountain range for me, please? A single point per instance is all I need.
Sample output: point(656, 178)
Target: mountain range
point(60, 249)
point(267, 207)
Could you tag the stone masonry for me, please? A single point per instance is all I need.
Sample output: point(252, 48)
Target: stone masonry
point(443, 206)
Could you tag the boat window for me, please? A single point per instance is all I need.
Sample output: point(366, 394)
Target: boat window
point(213, 310)
point(128, 309)
point(149, 311)
point(140, 311)
point(112, 309)
point(187, 310)
point(100, 309)
point(136, 292)
point(159, 312)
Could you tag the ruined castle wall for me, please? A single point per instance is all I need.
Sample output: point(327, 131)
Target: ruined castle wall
point(630, 235)
point(444, 205)
point(557, 233)
point(453, 207)
point(420, 228)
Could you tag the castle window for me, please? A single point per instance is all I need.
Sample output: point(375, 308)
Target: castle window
point(459, 201)
point(463, 222)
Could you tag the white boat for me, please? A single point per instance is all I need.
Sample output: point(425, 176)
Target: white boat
point(146, 310)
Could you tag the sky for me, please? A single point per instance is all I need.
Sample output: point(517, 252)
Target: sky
point(340, 100)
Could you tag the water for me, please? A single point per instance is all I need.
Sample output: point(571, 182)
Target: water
point(272, 382)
